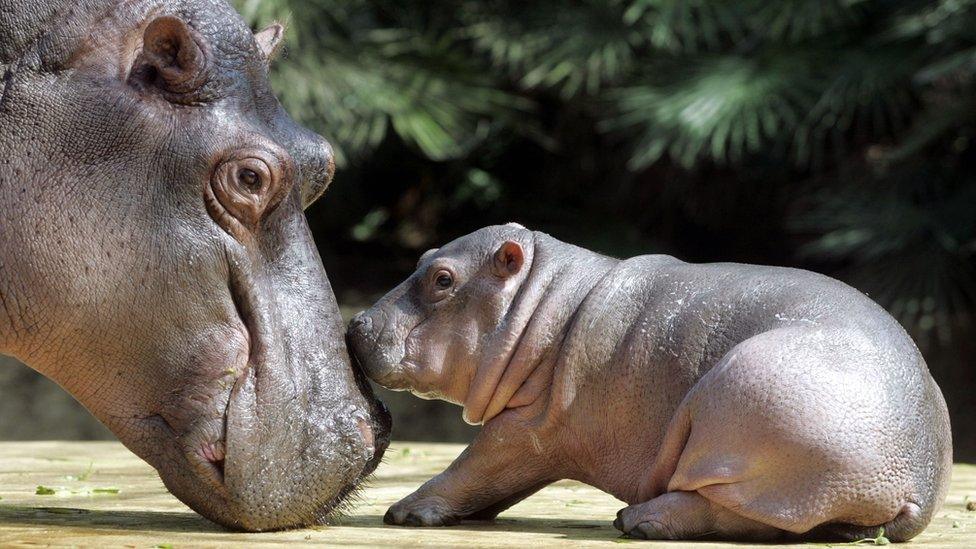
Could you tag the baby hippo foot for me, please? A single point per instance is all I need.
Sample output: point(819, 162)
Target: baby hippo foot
point(415, 510)
point(688, 515)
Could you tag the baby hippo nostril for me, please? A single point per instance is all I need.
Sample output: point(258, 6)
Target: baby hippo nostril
point(361, 323)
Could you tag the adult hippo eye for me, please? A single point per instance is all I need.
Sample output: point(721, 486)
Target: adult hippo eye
point(244, 189)
point(249, 180)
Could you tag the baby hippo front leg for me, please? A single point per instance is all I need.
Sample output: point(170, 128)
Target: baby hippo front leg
point(499, 469)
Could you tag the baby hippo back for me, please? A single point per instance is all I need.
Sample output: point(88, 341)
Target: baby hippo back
point(781, 393)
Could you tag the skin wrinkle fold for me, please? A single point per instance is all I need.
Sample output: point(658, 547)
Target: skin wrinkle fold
point(483, 388)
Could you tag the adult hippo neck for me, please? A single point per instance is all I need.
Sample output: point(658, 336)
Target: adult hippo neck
point(155, 260)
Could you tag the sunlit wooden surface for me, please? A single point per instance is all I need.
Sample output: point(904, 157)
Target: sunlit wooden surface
point(86, 511)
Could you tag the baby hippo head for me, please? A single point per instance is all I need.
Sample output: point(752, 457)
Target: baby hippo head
point(429, 334)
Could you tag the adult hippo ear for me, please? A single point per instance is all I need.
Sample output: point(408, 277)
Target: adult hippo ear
point(175, 60)
point(269, 40)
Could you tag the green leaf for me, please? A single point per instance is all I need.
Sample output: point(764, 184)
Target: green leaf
point(60, 491)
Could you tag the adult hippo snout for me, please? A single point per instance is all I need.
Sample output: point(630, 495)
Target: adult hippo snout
point(289, 429)
point(155, 260)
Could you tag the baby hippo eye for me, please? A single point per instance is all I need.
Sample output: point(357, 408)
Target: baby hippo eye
point(443, 280)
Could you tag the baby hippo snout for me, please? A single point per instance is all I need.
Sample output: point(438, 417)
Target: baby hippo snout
point(364, 341)
point(361, 322)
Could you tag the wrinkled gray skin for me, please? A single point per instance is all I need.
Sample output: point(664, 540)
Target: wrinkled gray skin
point(155, 260)
point(737, 401)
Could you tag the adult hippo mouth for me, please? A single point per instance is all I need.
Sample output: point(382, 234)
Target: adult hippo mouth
point(260, 412)
point(158, 264)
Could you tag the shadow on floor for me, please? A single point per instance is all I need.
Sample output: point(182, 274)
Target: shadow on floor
point(569, 529)
point(96, 522)
point(144, 521)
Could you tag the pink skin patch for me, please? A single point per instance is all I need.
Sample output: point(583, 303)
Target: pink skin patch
point(213, 452)
point(366, 430)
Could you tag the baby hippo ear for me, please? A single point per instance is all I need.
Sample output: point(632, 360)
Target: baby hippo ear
point(173, 59)
point(508, 259)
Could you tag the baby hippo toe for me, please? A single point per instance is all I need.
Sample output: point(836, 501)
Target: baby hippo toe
point(688, 515)
point(431, 511)
point(650, 530)
point(636, 522)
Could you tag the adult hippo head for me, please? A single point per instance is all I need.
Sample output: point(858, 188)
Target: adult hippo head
point(155, 260)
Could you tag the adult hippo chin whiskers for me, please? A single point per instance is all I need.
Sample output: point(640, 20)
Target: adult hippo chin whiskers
point(155, 260)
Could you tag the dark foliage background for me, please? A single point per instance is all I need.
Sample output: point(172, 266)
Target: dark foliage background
point(833, 135)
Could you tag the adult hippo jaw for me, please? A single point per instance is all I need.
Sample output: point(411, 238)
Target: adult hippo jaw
point(155, 260)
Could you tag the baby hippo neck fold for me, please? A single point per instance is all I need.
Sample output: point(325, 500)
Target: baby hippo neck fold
point(519, 366)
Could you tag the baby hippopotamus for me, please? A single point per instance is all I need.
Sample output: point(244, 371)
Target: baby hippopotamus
point(737, 401)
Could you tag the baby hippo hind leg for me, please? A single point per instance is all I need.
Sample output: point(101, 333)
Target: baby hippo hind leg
point(804, 430)
point(688, 515)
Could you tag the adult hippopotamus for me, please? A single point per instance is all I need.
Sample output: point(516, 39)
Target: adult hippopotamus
point(739, 401)
point(155, 260)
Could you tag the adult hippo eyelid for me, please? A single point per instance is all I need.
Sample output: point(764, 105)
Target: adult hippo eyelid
point(236, 205)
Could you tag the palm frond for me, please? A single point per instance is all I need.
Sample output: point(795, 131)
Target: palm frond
point(574, 50)
point(911, 247)
point(720, 109)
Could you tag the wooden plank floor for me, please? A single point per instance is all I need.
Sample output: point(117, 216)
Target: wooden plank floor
point(143, 514)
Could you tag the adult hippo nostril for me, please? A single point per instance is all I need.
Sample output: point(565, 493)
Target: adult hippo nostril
point(312, 153)
point(319, 169)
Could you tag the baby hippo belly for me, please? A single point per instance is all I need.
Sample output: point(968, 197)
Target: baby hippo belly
point(801, 427)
